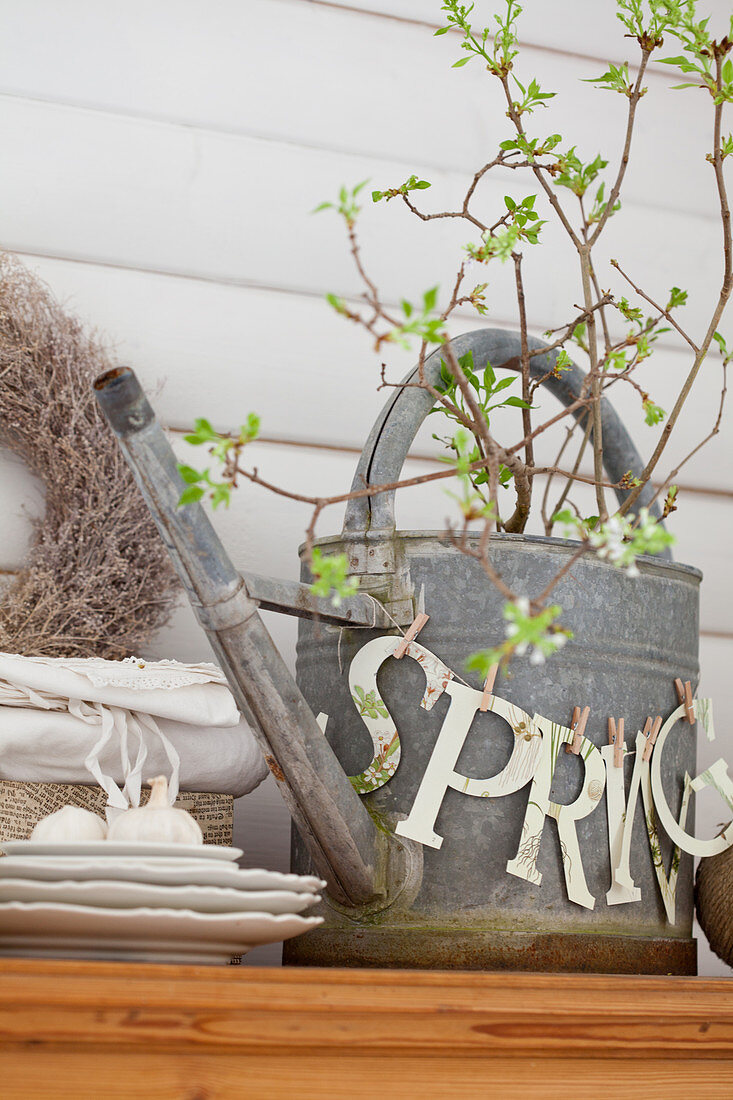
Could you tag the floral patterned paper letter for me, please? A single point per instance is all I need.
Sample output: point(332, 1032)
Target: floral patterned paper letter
point(715, 776)
point(539, 807)
point(621, 823)
point(373, 711)
point(440, 773)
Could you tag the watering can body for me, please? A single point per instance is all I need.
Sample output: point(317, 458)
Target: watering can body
point(393, 901)
point(631, 638)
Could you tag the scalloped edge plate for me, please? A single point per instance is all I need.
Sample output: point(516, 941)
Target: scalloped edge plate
point(101, 894)
point(52, 927)
point(158, 872)
point(118, 848)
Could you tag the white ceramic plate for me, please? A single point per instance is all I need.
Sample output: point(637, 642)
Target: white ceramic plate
point(158, 871)
point(77, 931)
point(129, 895)
point(170, 954)
point(118, 848)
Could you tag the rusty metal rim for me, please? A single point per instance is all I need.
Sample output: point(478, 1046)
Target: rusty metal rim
point(648, 563)
point(443, 949)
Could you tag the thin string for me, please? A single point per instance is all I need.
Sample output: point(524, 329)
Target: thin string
point(379, 606)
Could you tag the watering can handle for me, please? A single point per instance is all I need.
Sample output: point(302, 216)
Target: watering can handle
point(392, 436)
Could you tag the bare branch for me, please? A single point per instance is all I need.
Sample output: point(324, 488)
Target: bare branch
point(725, 291)
point(655, 305)
point(636, 93)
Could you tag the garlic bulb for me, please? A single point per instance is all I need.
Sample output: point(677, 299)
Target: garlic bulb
point(157, 821)
point(69, 825)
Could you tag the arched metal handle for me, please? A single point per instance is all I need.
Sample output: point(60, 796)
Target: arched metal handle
point(393, 433)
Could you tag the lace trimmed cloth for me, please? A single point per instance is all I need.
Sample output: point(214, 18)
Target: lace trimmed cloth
point(66, 720)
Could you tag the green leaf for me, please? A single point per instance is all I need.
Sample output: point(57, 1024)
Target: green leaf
point(653, 414)
point(465, 362)
point(190, 495)
point(677, 298)
point(189, 475)
point(680, 60)
point(221, 494)
point(517, 403)
point(336, 303)
point(460, 63)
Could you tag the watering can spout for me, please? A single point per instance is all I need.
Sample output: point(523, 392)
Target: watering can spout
point(345, 845)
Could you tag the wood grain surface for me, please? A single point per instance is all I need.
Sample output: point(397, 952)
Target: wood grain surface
point(84, 1029)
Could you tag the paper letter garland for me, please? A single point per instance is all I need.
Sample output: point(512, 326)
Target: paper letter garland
point(539, 808)
point(621, 822)
point(621, 813)
point(715, 776)
point(374, 713)
point(667, 883)
point(537, 745)
point(440, 774)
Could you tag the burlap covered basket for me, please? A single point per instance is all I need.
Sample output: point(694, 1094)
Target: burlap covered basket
point(22, 805)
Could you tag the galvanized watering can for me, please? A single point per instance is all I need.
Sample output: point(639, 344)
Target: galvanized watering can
point(391, 901)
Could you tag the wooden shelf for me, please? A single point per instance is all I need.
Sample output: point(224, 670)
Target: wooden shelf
point(112, 1030)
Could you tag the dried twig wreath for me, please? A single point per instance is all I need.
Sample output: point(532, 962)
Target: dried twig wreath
point(96, 580)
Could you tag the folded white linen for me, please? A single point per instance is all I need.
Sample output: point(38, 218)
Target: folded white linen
point(197, 694)
point(52, 746)
point(69, 720)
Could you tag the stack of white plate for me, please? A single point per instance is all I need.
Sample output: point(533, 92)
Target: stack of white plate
point(144, 902)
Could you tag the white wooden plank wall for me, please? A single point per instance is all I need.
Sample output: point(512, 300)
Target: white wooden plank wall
point(161, 160)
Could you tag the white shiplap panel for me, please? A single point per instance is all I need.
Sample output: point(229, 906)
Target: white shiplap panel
point(149, 195)
point(262, 531)
point(588, 29)
point(217, 350)
point(337, 79)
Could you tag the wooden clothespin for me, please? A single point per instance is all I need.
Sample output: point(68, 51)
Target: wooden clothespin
point(573, 726)
point(578, 728)
point(488, 688)
point(651, 735)
point(684, 694)
point(616, 738)
point(412, 633)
